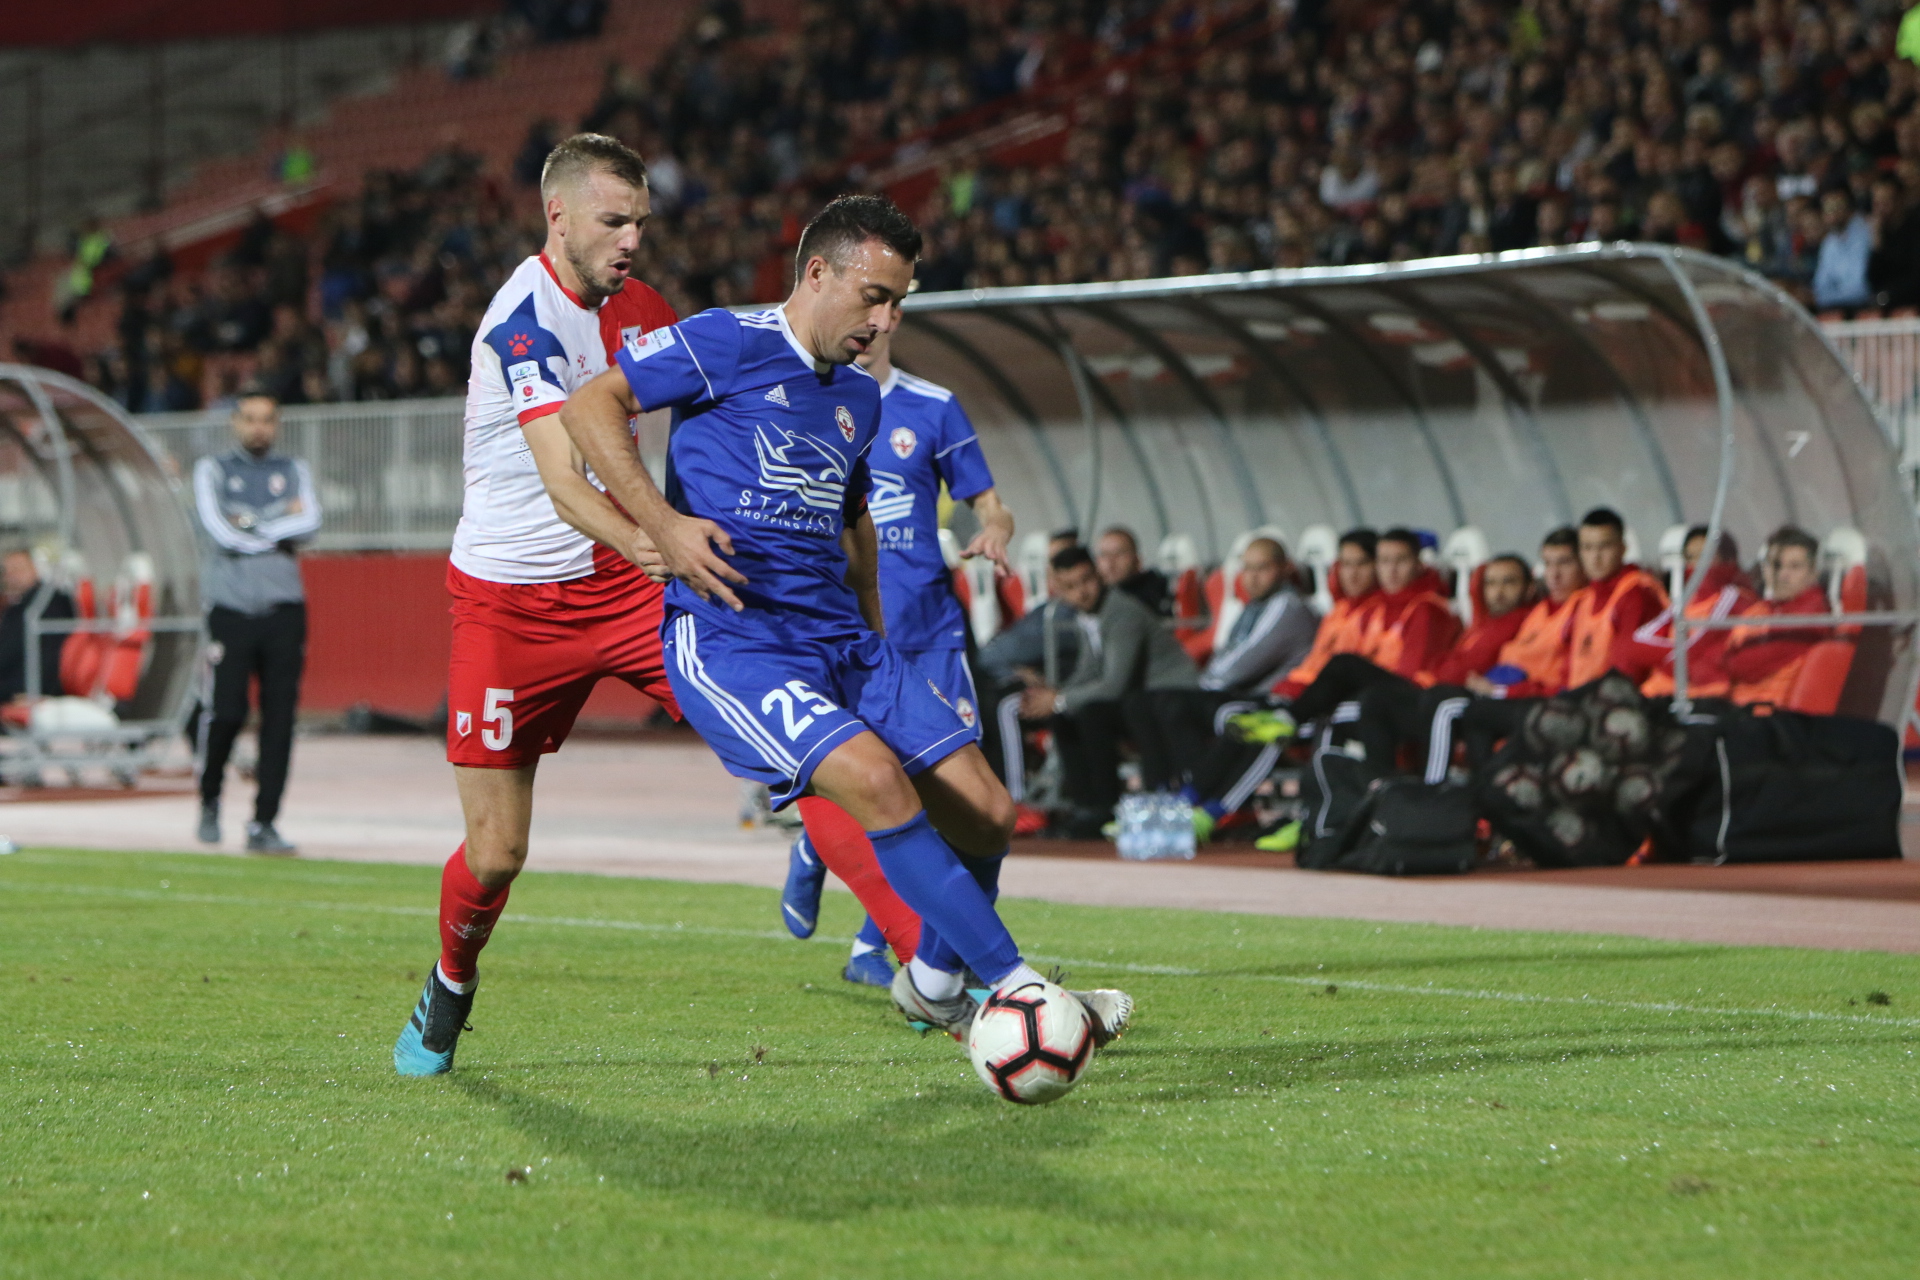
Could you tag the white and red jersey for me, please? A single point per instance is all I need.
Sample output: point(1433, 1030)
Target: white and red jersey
point(536, 346)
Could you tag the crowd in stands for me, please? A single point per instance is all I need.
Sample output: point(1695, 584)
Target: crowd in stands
point(1227, 136)
point(1099, 668)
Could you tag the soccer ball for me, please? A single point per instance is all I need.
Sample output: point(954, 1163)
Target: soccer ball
point(1032, 1043)
point(1554, 726)
point(1634, 794)
point(1622, 733)
point(1580, 772)
point(1566, 826)
point(1521, 785)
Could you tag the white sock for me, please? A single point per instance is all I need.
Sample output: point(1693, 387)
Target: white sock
point(458, 988)
point(934, 984)
point(1023, 974)
point(861, 946)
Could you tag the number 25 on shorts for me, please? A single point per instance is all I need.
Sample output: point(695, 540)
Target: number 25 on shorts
point(784, 699)
point(497, 719)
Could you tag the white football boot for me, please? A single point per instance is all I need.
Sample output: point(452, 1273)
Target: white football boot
point(953, 1017)
point(1110, 1010)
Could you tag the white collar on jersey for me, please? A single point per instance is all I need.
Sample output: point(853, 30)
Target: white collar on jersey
point(820, 368)
point(886, 388)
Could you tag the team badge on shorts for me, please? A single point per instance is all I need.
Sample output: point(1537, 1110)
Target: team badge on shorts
point(463, 723)
point(844, 418)
point(902, 441)
point(276, 484)
point(967, 715)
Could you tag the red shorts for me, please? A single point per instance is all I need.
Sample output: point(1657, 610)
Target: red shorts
point(527, 654)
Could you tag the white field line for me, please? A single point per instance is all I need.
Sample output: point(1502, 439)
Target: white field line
point(1156, 970)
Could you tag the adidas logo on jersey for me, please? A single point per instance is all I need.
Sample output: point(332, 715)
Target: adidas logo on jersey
point(779, 396)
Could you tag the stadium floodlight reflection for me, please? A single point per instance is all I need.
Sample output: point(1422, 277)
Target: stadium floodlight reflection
point(101, 508)
point(1505, 393)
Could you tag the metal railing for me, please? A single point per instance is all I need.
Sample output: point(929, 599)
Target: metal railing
point(388, 472)
point(1885, 358)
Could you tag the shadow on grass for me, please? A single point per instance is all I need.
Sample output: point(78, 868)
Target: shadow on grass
point(947, 1150)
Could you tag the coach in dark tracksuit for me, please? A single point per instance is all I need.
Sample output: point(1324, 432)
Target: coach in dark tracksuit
point(256, 506)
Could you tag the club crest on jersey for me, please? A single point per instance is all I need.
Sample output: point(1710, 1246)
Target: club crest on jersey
point(902, 441)
point(843, 416)
point(463, 723)
point(276, 484)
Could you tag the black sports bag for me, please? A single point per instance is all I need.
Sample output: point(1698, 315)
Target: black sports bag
point(1406, 827)
point(1783, 787)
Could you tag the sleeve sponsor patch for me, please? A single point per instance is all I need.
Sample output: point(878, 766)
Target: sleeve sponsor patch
point(642, 345)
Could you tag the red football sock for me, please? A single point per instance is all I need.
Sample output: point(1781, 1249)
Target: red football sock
point(844, 847)
point(467, 912)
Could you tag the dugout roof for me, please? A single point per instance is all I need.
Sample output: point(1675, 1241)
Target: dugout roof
point(1508, 392)
point(83, 485)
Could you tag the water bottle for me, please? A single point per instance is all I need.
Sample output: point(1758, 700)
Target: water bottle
point(1180, 833)
point(1163, 833)
point(1129, 816)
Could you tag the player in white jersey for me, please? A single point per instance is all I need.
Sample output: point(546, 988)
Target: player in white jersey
point(548, 594)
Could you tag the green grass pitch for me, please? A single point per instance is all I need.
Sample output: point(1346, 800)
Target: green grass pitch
point(197, 1082)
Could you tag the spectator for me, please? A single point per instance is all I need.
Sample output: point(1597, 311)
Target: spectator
point(1764, 662)
point(1042, 648)
point(1117, 554)
point(1125, 650)
point(28, 596)
point(1840, 273)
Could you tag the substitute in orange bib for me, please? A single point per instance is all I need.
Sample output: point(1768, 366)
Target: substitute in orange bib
point(1762, 663)
point(1619, 599)
point(1534, 663)
point(1723, 593)
point(1356, 595)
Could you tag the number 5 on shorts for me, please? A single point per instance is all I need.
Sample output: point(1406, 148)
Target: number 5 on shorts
point(497, 713)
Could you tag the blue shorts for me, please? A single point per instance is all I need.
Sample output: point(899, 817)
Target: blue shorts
point(773, 709)
point(948, 670)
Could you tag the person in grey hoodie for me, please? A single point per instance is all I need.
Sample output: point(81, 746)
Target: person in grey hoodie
point(1123, 650)
point(256, 507)
point(1174, 729)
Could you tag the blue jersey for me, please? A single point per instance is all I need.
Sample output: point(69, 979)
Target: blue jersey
point(773, 449)
point(925, 439)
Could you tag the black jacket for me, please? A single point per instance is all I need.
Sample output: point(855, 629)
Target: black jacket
point(13, 644)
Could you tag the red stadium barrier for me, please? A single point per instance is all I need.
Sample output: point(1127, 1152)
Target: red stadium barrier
point(379, 632)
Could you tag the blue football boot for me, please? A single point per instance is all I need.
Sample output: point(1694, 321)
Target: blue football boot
point(869, 969)
point(800, 900)
point(426, 1043)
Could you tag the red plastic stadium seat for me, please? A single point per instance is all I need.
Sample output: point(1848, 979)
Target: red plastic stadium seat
point(126, 659)
point(1816, 689)
point(1013, 599)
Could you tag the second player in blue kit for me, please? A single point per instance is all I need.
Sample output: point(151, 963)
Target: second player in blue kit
point(774, 633)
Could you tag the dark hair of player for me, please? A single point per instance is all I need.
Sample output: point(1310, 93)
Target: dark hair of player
point(1404, 536)
point(1604, 518)
point(1792, 535)
point(1565, 536)
point(586, 153)
point(1070, 558)
point(1729, 549)
point(849, 222)
point(1365, 539)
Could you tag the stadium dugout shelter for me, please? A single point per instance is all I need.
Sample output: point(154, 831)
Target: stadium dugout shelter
point(1486, 399)
point(100, 509)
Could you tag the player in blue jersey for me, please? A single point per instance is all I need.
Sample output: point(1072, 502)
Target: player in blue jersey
point(774, 632)
point(925, 442)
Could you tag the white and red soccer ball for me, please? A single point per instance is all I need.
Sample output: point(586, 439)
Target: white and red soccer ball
point(1031, 1044)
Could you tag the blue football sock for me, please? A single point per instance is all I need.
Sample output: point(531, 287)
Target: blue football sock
point(958, 914)
point(869, 938)
point(936, 951)
point(1190, 794)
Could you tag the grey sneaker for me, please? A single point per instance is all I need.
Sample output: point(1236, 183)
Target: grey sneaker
point(953, 1017)
point(262, 838)
point(1110, 1010)
point(209, 832)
